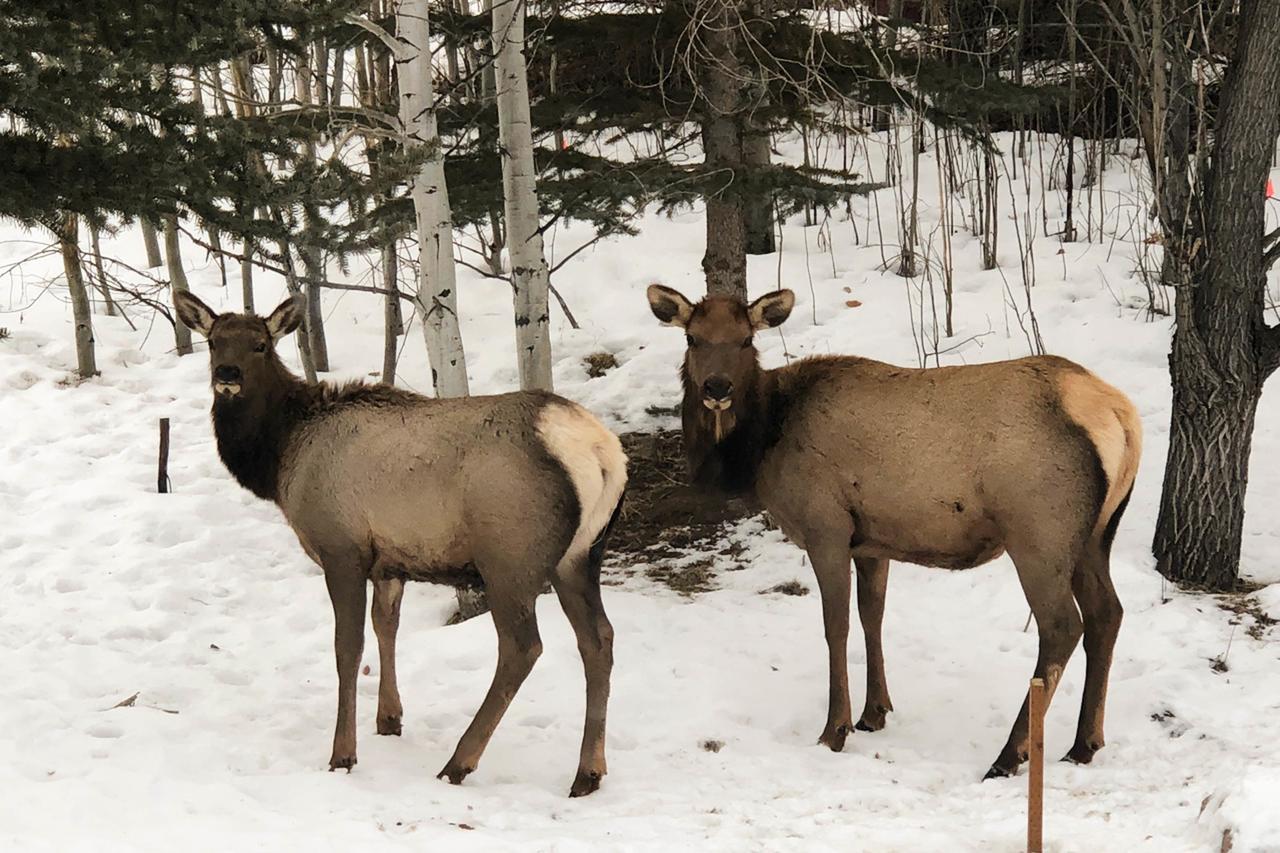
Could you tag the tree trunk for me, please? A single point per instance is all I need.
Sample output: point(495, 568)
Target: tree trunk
point(313, 267)
point(437, 283)
point(103, 287)
point(246, 277)
point(177, 278)
point(1222, 349)
point(530, 278)
point(152, 243)
point(758, 216)
point(720, 79)
point(393, 322)
point(69, 241)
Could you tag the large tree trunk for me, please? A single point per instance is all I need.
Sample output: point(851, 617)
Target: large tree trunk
point(177, 278)
point(69, 242)
point(1222, 349)
point(530, 278)
point(720, 80)
point(437, 283)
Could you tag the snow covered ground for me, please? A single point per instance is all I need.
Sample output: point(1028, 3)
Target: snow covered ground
point(202, 603)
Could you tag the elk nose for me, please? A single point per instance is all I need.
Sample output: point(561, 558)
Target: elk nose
point(717, 388)
point(228, 373)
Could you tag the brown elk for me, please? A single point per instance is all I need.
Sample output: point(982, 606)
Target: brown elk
point(383, 485)
point(945, 467)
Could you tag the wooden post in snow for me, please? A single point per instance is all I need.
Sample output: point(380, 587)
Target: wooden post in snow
point(1035, 778)
point(162, 472)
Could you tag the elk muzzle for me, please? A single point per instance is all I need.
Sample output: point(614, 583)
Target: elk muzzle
point(717, 394)
point(226, 380)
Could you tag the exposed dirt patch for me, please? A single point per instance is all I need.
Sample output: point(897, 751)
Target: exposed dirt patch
point(599, 363)
point(665, 519)
point(1249, 613)
point(787, 588)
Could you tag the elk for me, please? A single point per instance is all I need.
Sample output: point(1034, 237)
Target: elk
point(947, 467)
point(383, 485)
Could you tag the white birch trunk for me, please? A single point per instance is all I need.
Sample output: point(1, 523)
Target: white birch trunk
point(437, 287)
point(529, 276)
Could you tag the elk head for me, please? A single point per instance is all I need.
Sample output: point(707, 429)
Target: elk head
point(242, 357)
point(720, 362)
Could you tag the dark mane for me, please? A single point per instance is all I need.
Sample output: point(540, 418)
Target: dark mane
point(253, 433)
point(731, 464)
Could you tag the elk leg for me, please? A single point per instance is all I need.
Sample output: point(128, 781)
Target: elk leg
point(387, 595)
point(831, 568)
point(579, 594)
point(873, 579)
point(518, 648)
point(347, 594)
point(1048, 590)
point(1102, 612)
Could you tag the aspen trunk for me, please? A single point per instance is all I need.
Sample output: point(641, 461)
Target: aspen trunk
point(437, 284)
point(529, 275)
point(69, 241)
point(177, 278)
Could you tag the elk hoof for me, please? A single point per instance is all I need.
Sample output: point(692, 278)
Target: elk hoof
point(586, 782)
point(345, 762)
point(872, 719)
point(389, 725)
point(998, 772)
point(833, 738)
point(1082, 753)
point(454, 772)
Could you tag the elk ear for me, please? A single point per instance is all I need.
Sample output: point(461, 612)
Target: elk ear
point(193, 313)
point(286, 318)
point(771, 309)
point(669, 306)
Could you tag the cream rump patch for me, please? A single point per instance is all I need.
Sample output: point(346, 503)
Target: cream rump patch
point(596, 464)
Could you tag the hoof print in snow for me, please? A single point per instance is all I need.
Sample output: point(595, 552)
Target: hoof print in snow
point(712, 745)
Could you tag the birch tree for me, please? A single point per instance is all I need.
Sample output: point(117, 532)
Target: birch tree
point(437, 286)
point(530, 279)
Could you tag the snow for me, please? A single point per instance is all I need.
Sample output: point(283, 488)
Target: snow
point(202, 603)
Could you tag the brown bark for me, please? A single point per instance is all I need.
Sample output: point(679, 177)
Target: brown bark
point(69, 242)
point(1222, 349)
point(719, 79)
point(758, 212)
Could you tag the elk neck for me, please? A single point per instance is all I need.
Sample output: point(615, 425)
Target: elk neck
point(729, 462)
point(253, 430)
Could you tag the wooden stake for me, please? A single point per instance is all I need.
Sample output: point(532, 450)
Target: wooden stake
point(1035, 778)
point(162, 474)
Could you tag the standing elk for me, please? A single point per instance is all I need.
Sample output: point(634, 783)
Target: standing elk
point(380, 484)
point(945, 467)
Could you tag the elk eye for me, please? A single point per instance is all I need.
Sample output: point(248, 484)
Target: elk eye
point(746, 343)
point(688, 339)
point(260, 348)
